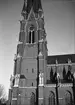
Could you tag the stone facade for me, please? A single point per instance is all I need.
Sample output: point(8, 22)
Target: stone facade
point(65, 69)
point(32, 45)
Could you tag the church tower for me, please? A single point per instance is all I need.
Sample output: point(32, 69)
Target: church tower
point(31, 57)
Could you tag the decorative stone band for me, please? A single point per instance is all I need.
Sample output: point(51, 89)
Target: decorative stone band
point(66, 85)
point(31, 43)
point(41, 84)
point(20, 42)
point(65, 64)
point(30, 58)
point(50, 85)
point(15, 86)
point(60, 85)
point(28, 87)
point(61, 98)
point(41, 98)
point(14, 99)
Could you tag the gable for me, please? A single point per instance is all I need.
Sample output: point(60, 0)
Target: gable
point(31, 16)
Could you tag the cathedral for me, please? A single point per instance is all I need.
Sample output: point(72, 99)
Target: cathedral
point(39, 79)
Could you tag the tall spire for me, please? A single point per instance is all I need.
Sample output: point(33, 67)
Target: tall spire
point(28, 4)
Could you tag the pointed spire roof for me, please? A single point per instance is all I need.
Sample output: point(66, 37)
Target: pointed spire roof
point(37, 5)
point(28, 4)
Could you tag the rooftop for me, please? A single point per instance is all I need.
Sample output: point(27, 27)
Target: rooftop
point(61, 59)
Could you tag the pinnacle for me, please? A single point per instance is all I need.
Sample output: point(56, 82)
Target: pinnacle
point(24, 6)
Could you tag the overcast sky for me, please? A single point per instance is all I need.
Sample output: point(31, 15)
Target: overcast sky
point(59, 18)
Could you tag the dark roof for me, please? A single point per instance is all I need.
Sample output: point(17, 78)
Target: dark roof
point(61, 59)
point(36, 4)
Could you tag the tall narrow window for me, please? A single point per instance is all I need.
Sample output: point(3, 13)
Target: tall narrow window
point(32, 83)
point(31, 35)
point(32, 70)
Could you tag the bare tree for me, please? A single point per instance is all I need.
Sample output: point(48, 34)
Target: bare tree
point(3, 97)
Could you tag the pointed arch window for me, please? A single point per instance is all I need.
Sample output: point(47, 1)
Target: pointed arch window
point(31, 35)
point(32, 99)
point(51, 98)
point(68, 98)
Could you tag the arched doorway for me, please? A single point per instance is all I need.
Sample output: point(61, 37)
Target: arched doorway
point(68, 98)
point(32, 99)
point(51, 98)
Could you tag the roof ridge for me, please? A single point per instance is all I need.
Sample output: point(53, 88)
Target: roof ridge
point(62, 55)
point(60, 58)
